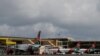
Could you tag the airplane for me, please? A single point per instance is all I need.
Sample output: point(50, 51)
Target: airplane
point(24, 47)
point(78, 50)
point(92, 49)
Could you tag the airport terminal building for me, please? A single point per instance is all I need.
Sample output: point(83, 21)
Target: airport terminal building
point(55, 42)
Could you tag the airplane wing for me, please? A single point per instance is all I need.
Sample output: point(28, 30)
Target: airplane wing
point(20, 47)
point(82, 50)
point(35, 46)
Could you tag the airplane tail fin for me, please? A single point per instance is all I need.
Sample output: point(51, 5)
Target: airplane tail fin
point(93, 45)
point(38, 35)
point(38, 38)
point(78, 44)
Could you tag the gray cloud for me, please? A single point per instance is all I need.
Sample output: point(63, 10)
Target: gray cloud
point(79, 18)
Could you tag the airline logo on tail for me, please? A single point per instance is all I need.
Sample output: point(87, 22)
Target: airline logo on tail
point(38, 38)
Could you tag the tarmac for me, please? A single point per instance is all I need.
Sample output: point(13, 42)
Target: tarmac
point(56, 55)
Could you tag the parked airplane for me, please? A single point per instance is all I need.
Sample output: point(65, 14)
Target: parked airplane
point(92, 49)
point(24, 47)
point(79, 50)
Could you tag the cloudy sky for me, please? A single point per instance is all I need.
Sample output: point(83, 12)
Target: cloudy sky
point(79, 19)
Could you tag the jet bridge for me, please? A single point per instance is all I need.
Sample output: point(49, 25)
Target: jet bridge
point(6, 41)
